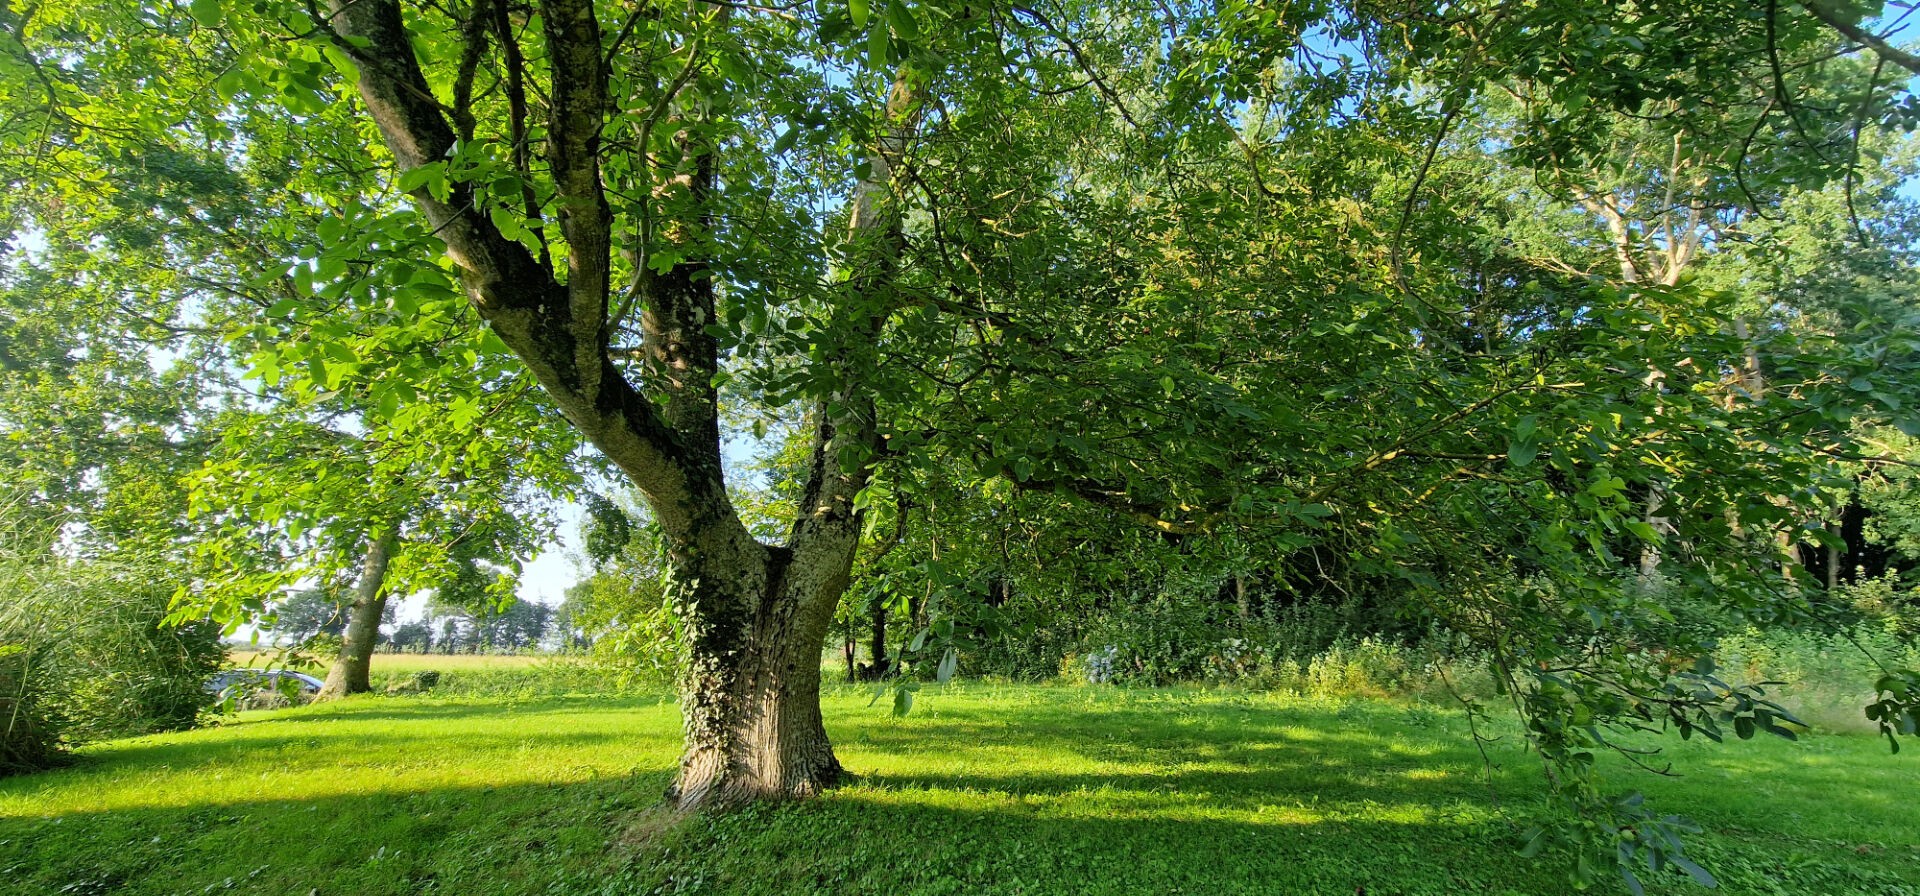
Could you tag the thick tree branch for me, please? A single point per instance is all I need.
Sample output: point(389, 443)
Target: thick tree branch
point(1862, 36)
point(578, 111)
point(677, 305)
point(473, 45)
point(515, 64)
point(846, 434)
point(516, 294)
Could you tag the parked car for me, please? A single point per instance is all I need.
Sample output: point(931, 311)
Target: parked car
point(245, 682)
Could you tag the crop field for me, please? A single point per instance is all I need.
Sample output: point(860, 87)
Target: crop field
point(982, 789)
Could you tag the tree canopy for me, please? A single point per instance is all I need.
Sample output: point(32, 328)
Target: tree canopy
point(1541, 312)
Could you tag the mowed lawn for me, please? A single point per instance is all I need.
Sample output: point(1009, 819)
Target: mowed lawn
point(983, 789)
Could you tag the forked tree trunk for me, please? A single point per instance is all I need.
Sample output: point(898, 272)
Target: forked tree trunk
point(756, 619)
point(351, 669)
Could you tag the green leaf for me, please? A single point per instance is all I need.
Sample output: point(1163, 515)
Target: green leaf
point(1522, 453)
point(341, 63)
point(431, 176)
point(340, 351)
point(904, 24)
point(1700, 875)
point(879, 48)
point(507, 222)
point(206, 12)
point(859, 10)
point(1607, 487)
point(1536, 841)
point(902, 701)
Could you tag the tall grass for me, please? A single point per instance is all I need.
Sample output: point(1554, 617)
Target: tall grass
point(83, 656)
point(1826, 677)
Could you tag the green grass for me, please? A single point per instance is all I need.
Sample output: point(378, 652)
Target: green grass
point(984, 789)
point(402, 663)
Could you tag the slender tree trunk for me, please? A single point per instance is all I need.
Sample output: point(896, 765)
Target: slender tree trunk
point(877, 638)
point(349, 674)
point(1656, 498)
point(851, 650)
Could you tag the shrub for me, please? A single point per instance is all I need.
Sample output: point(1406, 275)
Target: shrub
point(1885, 604)
point(84, 655)
point(28, 741)
point(1826, 677)
point(417, 682)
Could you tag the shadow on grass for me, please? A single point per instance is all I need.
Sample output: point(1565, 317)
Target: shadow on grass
point(1042, 799)
point(607, 838)
point(568, 839)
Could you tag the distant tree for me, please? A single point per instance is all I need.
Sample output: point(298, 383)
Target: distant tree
point(306, 613)
point(412, 637)
point(519, 625)
point(453, 637)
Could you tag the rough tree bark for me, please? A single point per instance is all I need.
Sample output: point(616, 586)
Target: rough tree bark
point(755, 616)
point(349, 674)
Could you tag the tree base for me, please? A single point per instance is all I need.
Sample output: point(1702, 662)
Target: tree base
point(710, 780)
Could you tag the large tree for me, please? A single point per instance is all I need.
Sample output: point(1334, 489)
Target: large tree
point(1182, 263)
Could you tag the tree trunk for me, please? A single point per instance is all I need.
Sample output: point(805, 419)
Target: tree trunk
point(349, 674)
point(851, 650)
point(756, 620)
point(877, 639)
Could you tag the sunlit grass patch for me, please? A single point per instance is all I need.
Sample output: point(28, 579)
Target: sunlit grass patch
point(984, 789)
